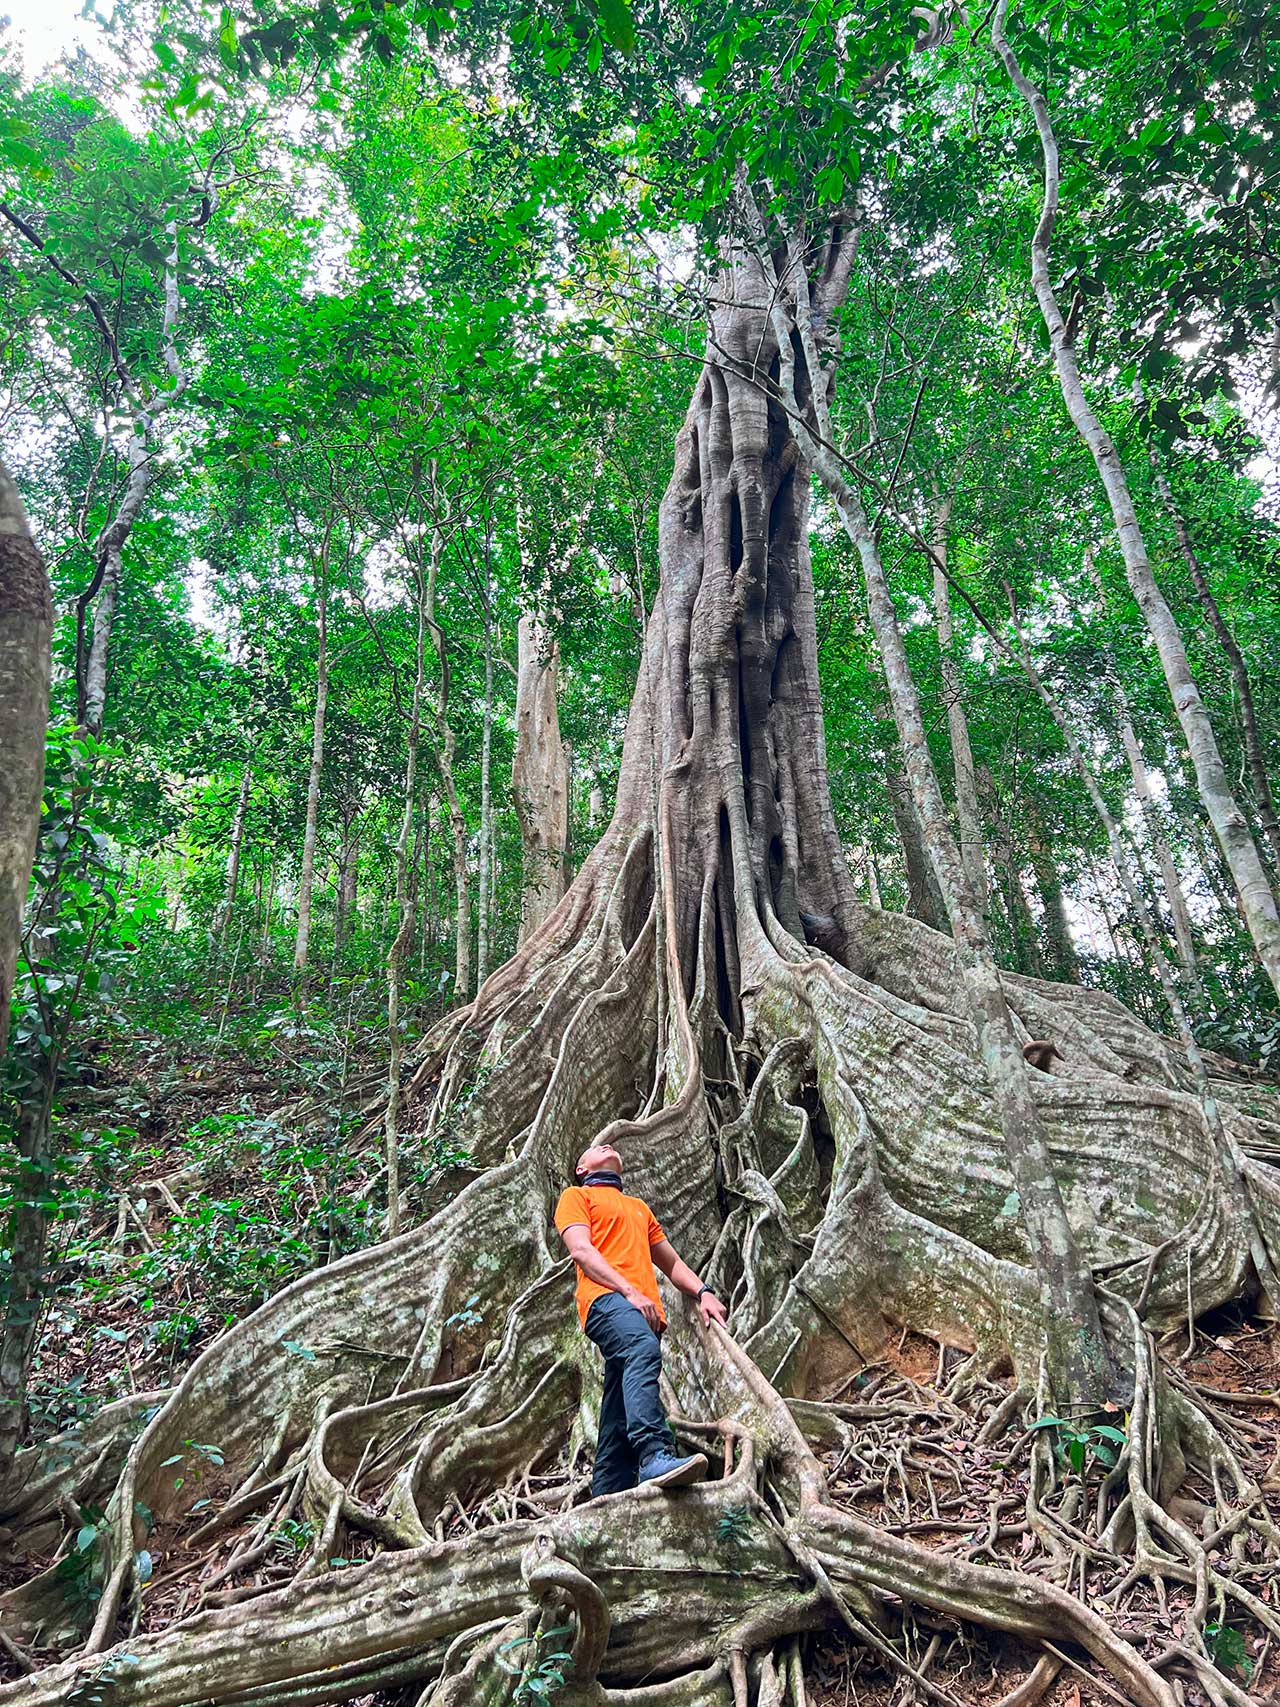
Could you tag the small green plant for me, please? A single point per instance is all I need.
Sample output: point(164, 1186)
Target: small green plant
point(1225, 1646)
point(467, 1317)
point(735, 1522)
point(544, 1670)
point(197, 1450)
point(80, 1570)
point(293, 1535)
point(1078, 1443)
point(87, 1691)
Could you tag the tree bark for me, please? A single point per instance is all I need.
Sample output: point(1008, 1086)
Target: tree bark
point(1259, 777)
point(484, 899)
point(307, 870)
point(1230, 824)
point(26, 623)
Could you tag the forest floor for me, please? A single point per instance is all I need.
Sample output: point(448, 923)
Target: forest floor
point(967, 1497)
point(198, 1190)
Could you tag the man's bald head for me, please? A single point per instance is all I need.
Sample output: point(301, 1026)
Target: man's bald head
point(599, 1158)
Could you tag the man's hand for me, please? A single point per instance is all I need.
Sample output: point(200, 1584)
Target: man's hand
point(646, 1306)
point(712, 1310)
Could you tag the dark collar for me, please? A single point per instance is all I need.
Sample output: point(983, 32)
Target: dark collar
point(602, 1178)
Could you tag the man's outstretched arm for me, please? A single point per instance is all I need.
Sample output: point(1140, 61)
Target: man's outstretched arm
point(685, 1280)
point(578, 1240)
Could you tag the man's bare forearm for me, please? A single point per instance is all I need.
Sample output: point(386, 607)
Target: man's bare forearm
point(684, 1279)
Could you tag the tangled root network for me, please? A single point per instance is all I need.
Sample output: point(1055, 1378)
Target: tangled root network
point(805, 1109)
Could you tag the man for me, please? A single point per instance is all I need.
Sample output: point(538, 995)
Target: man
point(615, 1242)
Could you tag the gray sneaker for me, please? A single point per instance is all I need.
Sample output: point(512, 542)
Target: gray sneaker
point(665, 1470)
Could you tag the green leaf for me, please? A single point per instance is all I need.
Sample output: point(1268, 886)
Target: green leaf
point(616, 24)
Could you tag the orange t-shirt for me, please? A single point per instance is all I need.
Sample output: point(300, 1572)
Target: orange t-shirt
point(623, 1229)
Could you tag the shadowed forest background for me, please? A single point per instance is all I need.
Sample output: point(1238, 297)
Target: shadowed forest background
point(704, 574)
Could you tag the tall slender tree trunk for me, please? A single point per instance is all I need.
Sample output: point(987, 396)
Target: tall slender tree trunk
point(1024, 939)
point(92, 667)
point(103, 594)
point(348, 881)
point(484, 899)
point(1183, 937)
point(406, 891)
point(924, 898)
point(26, 623)
point(540, 775)
point(1259, 777)
point(444, 745)
point(26, 1236)
point(1126, 866)
point(540, 772)
point(1210, 858)
point(967, 816)
point(1057, 928)
point(427, 929)
point(307, 871)
point(1174, 894)
point(1229, 822)
point(234, 848)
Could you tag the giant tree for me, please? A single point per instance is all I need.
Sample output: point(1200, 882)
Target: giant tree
point(711, 995)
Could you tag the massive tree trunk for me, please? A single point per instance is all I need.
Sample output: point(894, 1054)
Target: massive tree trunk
point(26, 622)
point(831, 1097)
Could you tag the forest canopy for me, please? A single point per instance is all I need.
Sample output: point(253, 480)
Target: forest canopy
point(702, 576)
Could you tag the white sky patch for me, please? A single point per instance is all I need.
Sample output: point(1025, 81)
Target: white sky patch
point(44, 29)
